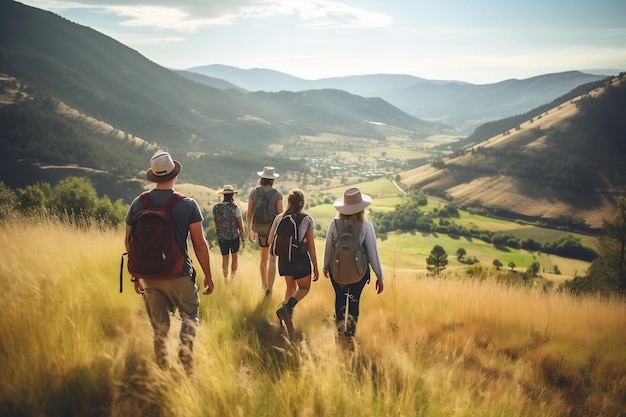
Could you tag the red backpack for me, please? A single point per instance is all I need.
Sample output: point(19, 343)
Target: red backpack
point(152, 249)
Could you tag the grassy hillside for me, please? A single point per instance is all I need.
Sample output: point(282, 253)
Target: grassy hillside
point(566, 162)
point(426, 347)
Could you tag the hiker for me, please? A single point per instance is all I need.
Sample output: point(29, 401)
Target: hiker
point(351, 211)
point(264, 203)
point(162, 296)
point(229, 229)
point(297, 270)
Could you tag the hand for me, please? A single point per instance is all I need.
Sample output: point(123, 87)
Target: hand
point(251, 236)
point(379, 286)
point(316, 275)
point(139, 288)
point(326, 273)
point(208, 286)
point(243, 243)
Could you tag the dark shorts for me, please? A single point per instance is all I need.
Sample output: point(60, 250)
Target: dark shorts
point(228, 246)
point(299, 267)
point(262, 232)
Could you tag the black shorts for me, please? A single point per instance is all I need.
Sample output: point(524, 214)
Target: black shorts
point(299, 267)
point(262, 232)
point(228, 246)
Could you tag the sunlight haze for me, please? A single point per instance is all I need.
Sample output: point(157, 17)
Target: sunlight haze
point(479, 42)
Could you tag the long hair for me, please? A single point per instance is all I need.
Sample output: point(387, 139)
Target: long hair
point(295, 201)
point(229, 197)
point(266, 181)
point(360, 216)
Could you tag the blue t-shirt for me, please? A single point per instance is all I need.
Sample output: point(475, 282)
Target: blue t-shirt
point(183, 213)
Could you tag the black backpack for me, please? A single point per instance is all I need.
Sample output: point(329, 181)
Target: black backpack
point(153, 252)
point(348, 258)
point(263, 212)
point(286, 240)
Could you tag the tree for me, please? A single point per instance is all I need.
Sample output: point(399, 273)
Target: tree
point(437, 260)
point(7, 201)
point(75, 196)
point(460, 253)
point(534, 269)
point(497, 264)
point(607, 271)
point(512, 265)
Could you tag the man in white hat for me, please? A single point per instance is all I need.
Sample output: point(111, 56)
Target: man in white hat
point(264, 203)
point(163, 295)
point(229, 230)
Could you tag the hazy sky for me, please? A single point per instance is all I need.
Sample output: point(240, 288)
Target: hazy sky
point(478, 41)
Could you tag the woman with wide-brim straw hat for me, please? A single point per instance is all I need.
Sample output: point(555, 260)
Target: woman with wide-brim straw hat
point(265, 190)
point(351, 219)
point(228, 224)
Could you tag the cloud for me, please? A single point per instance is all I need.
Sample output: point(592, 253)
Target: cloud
point(190, 15)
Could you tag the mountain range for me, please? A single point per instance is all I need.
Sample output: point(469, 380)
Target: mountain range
point(76, 102)
point(459, 104)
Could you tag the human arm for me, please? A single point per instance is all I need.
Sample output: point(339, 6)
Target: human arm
point(137, 283)
point(241, 231)
point(279, 205)
point(371, 247)
point(312, 252)
point(251, 234)
point(277, 219)
point(327, 246)
point(201, 249)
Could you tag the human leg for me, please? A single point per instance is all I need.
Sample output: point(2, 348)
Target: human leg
point(347, 299)
point(265, 254)
point(225, 266)
point(234, 265)
point(224, 250)
point(186, 298)
point(158, 307)
point(271, 271)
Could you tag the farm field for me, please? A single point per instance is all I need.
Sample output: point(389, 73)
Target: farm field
point(409, 250)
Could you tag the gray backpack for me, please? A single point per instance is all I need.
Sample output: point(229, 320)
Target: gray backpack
point(348, 258)
point(263, 211)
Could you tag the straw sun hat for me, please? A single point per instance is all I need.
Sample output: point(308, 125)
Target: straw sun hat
point(228, 189)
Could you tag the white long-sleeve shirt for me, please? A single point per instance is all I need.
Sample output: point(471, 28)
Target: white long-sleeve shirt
point(368, 237)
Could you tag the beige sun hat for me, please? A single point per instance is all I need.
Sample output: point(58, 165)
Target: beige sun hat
point(268, 172)
point(228, 189)
point(163, 167)
point(352, 201)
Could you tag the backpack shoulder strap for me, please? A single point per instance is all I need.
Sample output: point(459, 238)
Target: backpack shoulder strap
point(176, 197)
point(144, 199)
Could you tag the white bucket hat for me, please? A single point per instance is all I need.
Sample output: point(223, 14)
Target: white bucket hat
point(352, 202)
point(268, 172)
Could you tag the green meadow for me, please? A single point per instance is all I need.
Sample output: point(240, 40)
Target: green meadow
point(409, 250)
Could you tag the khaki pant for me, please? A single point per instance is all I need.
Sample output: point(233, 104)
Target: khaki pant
point(161, 298)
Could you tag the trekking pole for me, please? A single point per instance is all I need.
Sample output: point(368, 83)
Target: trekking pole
point(346, 314)
point(122, 270)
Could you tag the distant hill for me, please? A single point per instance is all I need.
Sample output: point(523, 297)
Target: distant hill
point(461, 104)
point(217, 132)
point(563, 165)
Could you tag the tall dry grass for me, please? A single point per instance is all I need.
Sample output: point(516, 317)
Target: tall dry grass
point(71, 344)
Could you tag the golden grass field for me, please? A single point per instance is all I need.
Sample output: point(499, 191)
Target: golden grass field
point(72, 345)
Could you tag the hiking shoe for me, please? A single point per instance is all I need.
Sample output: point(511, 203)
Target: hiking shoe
point(284, 316)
